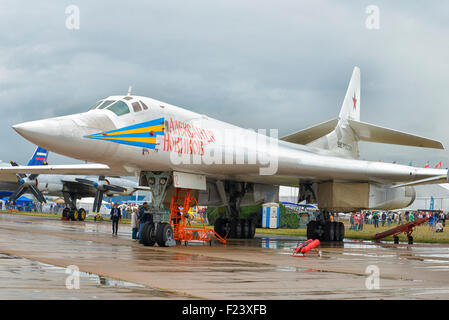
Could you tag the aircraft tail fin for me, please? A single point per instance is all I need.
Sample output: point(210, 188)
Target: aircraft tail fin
point(350, 108)
point(39, 157)
point(341, 136)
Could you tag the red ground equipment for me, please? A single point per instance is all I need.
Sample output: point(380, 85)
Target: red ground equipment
point(181, 202)
point(303, 248)
point(405, 228)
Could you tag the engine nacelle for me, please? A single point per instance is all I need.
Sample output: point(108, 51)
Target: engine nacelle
point(352, 196)
point(50, 187)
point(383, 198)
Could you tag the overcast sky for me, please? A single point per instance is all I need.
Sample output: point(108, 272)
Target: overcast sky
point(259, 64)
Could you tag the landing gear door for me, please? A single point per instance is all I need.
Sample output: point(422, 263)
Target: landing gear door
point(189, 181)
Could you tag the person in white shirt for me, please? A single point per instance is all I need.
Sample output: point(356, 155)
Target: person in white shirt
point(134, 224)
point(439, 226)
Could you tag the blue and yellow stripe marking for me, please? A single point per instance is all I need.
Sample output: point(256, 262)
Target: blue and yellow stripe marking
point(138, 135)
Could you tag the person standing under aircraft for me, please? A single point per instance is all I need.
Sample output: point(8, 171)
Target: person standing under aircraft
point(362, 220)
point(376, 219)
point(116, 215)
point(356, 221)
point(439, 226)
point(134, 223)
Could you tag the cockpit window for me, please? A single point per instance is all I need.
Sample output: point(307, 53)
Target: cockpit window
point(119, 108)
point(105, 104)
point(144, 106)
point(136, 107)
point(96, 105)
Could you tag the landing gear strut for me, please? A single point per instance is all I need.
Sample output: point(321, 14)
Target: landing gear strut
point(156, 231)
point(234, 227)
point(324, 229)
point(70, 212)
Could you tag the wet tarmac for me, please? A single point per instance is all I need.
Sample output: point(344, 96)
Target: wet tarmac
point(35, 252)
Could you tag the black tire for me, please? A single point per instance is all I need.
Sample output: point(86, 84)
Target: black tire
point(328, 231)
point(236, 229)
point(396, 239)
point(252, 229)
point(66, 212)
point(341, 226)
point(410, 240)
point(148, 238)
point(81, 214)
point(336, 231)
point(71, 215)
point(245, 228)
point(311, 226)
point(220, 227)
point(164, 232)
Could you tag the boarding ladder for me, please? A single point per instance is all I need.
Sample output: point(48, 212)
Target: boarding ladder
point(181, 202)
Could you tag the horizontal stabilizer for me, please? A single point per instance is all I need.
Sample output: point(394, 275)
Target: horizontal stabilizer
point(310, 134)
point(372, 133)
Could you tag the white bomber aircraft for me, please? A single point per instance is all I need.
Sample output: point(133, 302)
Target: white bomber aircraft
point(169, 147)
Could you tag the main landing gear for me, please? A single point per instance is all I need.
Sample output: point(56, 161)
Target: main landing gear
point(70, 211)
point(324, 229)
point(156, 231)
point(232, 226)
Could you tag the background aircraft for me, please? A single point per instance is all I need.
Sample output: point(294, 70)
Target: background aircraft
point(71, 187)
point(169, 147)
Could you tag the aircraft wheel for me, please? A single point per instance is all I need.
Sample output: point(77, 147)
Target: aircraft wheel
point(236, 229)
point(66, 212)
point(245, 228)
point(328, 231)
point(337, 231)
point(75, 215)
point(410, 239)
point(71, 215)
point(252, 228)
point(311, 226)
point(164, 232)
point(221, 227)
point(396, 239)
point(148, 237)
point(341, 226)
point(81, 214)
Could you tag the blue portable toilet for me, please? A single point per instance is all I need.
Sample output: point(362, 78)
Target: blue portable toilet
point(270, 215)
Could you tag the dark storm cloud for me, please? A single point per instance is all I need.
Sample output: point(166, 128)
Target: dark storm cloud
point(258, 64)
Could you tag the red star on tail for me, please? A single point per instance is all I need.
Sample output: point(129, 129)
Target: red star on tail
point(354, 99)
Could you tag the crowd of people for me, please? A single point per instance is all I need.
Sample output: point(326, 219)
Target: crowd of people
point(437, 219)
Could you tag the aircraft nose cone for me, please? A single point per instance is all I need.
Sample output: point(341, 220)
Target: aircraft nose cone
point(39, 132)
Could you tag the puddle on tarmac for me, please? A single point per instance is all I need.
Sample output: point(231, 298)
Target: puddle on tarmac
point(22, 278)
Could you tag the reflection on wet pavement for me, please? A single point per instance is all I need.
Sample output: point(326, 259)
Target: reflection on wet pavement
point(260, 268)
point(26, 279)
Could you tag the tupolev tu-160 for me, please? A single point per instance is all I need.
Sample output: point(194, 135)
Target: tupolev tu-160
point(169, 147)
